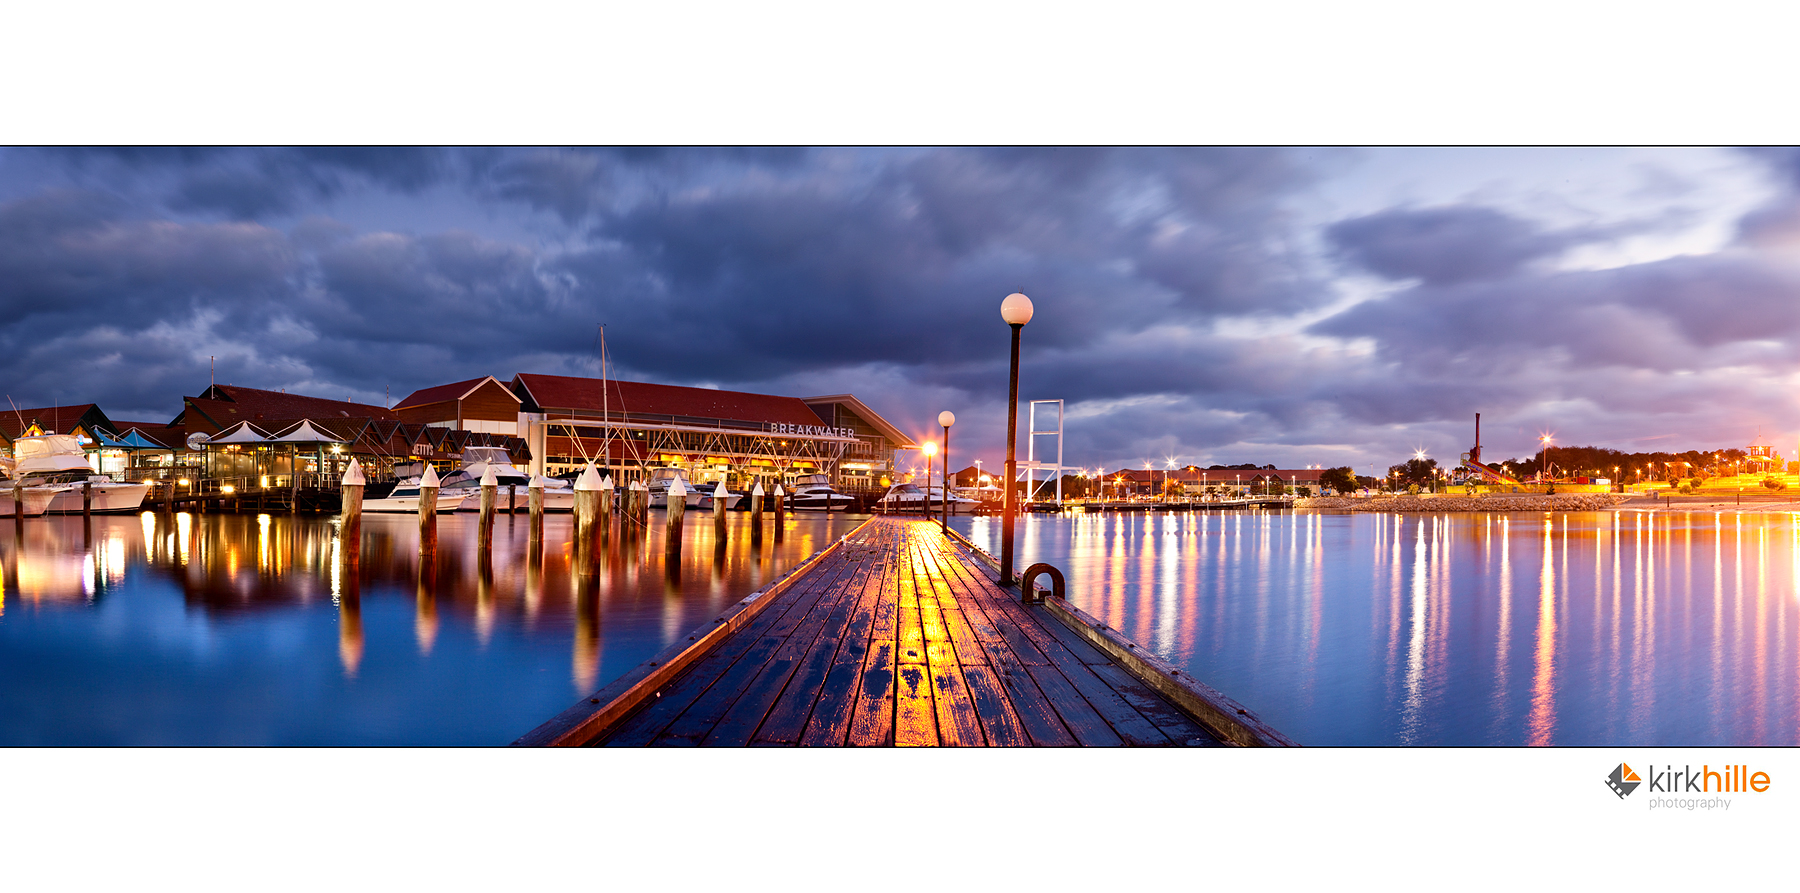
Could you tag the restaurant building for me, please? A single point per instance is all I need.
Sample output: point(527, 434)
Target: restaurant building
point(627, 428)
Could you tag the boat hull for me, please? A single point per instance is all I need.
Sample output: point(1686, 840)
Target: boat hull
point(36, 500)
point(107, 499)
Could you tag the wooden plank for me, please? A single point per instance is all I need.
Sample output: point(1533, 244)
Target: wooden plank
point(672, 703)
point(786, 721)
point(872, 719)
point(1181, 729)
point(958, 723)
point(1000, 725)
point(1082, 720)
point(1130, 725)
point(742, 720)
point(829, 724)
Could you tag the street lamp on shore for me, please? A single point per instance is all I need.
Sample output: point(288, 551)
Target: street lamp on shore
point(1016, 310)
point(930, 450)
point(946, 419)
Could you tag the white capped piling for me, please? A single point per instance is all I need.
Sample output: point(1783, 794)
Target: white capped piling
point(606, 508)
point(535, 505)
point(428, 496)
point(756, 513)
point(587, 505)
point(490, 493)
point(677, 507)
point(780, 511)
point(721, 497)
point(350, 533)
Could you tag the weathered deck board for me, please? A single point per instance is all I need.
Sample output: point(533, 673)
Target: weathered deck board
point(901, 636)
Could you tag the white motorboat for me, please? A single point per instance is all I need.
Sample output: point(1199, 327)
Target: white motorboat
point(462, 487)
point(662, 478)
point(404, 498)
point(36, 499)
point(913, 498)
point(54, 464)
point(813, 492)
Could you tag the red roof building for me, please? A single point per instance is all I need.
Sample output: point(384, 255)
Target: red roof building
point(628, 427)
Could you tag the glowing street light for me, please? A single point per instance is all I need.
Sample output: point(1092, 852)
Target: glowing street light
point(946, 419)
point(1016, 310)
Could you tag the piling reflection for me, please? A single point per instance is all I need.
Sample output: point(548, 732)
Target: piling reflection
point(1561, 629)
point(251, 594)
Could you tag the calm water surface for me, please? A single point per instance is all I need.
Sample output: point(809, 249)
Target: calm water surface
point(245, 629)
point(1602, 628)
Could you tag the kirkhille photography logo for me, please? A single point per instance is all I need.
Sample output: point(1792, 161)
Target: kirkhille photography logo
point(1623, 781)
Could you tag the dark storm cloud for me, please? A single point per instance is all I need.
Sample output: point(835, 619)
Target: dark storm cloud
point(1167, 285)
point(246, 184)
point(1443, 246)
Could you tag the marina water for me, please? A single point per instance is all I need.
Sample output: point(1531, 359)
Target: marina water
point(249, 629)
point(1602, 628)
point(1609, 628)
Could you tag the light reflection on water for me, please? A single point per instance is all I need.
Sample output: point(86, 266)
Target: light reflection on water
point(1621, 628)
point(250, 629)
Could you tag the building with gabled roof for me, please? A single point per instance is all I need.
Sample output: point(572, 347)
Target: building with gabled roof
point(221, 406)
point(479, 404)
point(80, 420)
point(629, 427)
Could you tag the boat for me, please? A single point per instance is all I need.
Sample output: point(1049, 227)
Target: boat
point(36, 499)
point(662, 478)
point(55, 466)
point(404, 498)
point(813, 492)
point(912, 498)
point(461, 489)
point(959, 504)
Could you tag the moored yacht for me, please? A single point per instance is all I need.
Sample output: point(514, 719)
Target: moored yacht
point(813, 492)
point(54, 464)
point(462, 487)
point(662, 478)
point(405, 496)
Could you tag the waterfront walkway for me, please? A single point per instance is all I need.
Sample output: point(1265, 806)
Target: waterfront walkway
point(897, 635)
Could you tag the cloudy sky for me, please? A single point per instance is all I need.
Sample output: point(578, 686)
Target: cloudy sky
point(1287, 306)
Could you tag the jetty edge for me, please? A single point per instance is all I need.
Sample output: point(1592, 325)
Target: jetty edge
point(585, 721)
point(1231, 721)
point(872, 674)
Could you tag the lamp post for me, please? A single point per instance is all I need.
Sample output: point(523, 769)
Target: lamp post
point(1545, 440)
point(930, 450)
point(946, 419)
point(1016, 310)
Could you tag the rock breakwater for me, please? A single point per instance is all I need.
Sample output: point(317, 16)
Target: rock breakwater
point(1495, 502)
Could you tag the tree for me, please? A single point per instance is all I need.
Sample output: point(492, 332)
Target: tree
point(1415, 471)
point(1342, 479)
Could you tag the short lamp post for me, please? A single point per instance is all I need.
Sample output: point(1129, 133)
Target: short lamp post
point(946, 419)
point(925, 492)
point(1016, 310)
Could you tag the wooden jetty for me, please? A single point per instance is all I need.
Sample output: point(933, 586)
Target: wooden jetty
point(898, 634)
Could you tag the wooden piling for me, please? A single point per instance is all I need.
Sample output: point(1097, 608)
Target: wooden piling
point(512, 499)
point(780, 511)
point(534, 504)
point(677, 508)
point(756, 514)
point(428, 496)
point(490, 487)
point(587, 508)
point(87, 498)
point(18, 502)
point(350, 532)
point(720, 497)
point(606, 509)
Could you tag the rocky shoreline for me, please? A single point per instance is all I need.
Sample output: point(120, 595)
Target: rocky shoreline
point(1493, 502)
